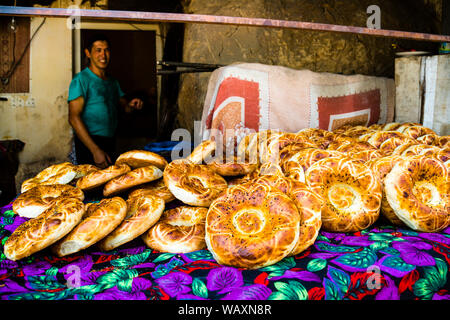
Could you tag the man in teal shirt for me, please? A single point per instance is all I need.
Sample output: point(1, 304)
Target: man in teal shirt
point(94, 98)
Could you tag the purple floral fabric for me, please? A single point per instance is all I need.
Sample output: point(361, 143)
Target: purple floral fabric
point(381, 263)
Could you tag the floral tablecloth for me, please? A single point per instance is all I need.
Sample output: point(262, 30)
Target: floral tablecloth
point(383, 263)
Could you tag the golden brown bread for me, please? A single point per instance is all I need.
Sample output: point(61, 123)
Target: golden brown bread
point(406, 125)
point(84, 169)
point(319, 137)
point(391, 126)
point(141, 158)
point(232, 166)
point(142, 213)
point(364, 156)
point(351, 190)
point(36, 200)
point(430, 139)
point(381, 167)
point(443, 155)
point(420, 149)
point(296, 165)
point(61, 173)
point(276, 142)
point(358, 131)
point(402, 147)
point(156, 188)
point(98, 178)
point(251, 226)
point(444, 142)
point(254, 146)
point(418, 190)
point(131, 179)
point(388, 146)
point(179, 230)
point(36, 234)
point(356, 146)
point(417, 131)
point(309, 205)
point(99, 220)
point(193, 184)
point(377, 138)
point(202, 152)
point(338, 140)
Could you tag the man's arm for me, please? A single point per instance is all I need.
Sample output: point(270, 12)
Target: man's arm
point(76, 106)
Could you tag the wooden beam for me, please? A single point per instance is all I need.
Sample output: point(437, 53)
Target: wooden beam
point(138, 16)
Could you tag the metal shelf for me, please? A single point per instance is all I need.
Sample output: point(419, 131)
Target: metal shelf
point(138, 16)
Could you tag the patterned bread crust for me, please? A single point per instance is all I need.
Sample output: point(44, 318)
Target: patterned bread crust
point(381, 167)
point(202, 152)
point(364, 156)
point(319, 137)
point(142, 213)
point(36, 234)
point(406, 125)
point(444, 142)
point(338, 140)
point(193, 184)
point(430, 139)
point(256, 149)
point(156, 188)
point(443, 155)
point(131, 179)
point(61, 173)
point(251, 226)
point(388, 146)
point(391, 126)
point(244, 179)
point(279, 141)
point(377, 138)
point(376, 126)
point(141, 158)
point(296, 165)
point(420, 149)
point(358, 131)
point(355, 147)
point(99, 220)
point(84, 169)
point(180, 230)
point(417, 131)
point(232, 167)
point(351, 191)
point(35, 201)
point(418, 190)
point(401, 148)
point(309, 205)
point(100, 177)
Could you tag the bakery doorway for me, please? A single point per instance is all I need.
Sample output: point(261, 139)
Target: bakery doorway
point(133, 64)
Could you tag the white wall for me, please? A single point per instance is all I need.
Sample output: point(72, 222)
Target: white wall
point(39, 118)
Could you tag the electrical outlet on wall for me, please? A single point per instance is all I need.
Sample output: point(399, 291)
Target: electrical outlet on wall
point(20, 102)
point(30, 102)
point(14, 102)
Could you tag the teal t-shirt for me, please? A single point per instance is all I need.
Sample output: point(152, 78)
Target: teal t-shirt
point(101, 99)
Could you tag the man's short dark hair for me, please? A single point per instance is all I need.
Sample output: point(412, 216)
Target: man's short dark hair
point(96, 37)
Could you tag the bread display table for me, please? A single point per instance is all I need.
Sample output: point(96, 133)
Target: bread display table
point(382, 262)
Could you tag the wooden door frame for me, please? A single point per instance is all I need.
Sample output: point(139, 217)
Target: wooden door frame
point(100, 25)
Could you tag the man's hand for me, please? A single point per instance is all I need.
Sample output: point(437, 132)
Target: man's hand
point(135, 104)
point(101, 158)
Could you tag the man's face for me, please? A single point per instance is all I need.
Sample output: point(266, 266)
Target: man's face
point(99, 55)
